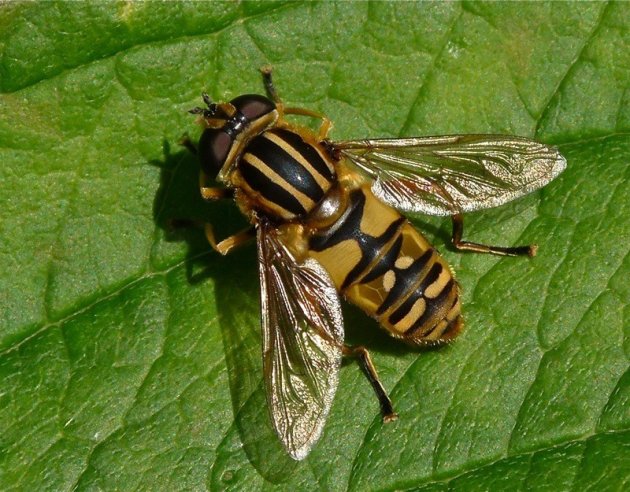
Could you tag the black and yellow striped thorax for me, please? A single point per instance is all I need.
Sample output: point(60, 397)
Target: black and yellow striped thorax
point(284, 176)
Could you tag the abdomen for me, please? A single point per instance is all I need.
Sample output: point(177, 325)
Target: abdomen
point(379, 262)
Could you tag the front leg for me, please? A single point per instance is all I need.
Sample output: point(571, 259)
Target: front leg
point(186, 142)
point(222, 247)
point(228, 244)
point(324, 128)
point(326, 125)
point(268, 81)
point(209, 193)
point(212, 193)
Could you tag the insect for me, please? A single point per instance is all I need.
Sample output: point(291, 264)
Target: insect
point(325, 217)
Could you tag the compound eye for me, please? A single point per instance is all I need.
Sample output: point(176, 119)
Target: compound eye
point(214, 147)
point(253, 106)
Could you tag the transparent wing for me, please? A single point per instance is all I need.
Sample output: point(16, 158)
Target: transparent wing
point(452, 174)
point(302, 328)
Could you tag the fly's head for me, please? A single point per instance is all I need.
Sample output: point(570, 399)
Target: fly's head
point(228, 129)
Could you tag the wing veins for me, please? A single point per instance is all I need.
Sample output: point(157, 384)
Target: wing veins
point(302, 340)
point(445, 175)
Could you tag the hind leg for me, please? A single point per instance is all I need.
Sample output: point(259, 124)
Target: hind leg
point(458, 231)
point(365, 361)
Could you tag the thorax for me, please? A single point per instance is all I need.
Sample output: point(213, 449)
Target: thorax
point(284, 174)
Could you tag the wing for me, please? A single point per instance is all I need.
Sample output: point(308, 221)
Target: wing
point(302, 328)
point(453, 174)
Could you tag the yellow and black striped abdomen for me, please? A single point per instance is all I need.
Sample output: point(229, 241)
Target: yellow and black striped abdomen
point(284, 176)
point(379, 262)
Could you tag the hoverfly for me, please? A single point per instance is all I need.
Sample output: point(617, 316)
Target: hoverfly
point(325, 217)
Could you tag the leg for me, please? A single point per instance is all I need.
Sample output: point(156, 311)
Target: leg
point(222, 247)
point(365, 361)
point(185, 141)
point(229, 243)
point(212, 193)
point(458, 231)
point(208, 193)
point(269, 87)
point(326, 123)
point(271, 92)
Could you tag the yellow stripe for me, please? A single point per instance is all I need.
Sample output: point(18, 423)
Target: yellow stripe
point(412, 316)
point(455, 311)
point(284, 145)
point(419, 278)
point(436, 333)
point(326, 159)
point(438, 320)
point(277, 209)
point(433, 290)
point(306, 202)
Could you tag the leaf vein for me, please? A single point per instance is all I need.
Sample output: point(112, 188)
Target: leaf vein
point(429, 71)
point(580, 56)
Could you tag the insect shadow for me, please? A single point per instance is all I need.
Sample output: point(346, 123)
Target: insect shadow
point(179, 210)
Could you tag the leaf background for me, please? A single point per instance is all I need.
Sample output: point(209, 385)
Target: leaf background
point(130, 357)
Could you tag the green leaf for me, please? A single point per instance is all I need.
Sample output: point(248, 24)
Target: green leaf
point(130, 355)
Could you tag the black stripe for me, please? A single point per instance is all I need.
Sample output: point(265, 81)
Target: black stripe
point(385, 263)
point(370, 249)
point(270, 191)
point(454, 302)
point(405, 307)
point(347, 227)
point(405, 280)
point(290, 170)
point(433, 305)
point(307, 151)
point(430, 277)
point(453, 325)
